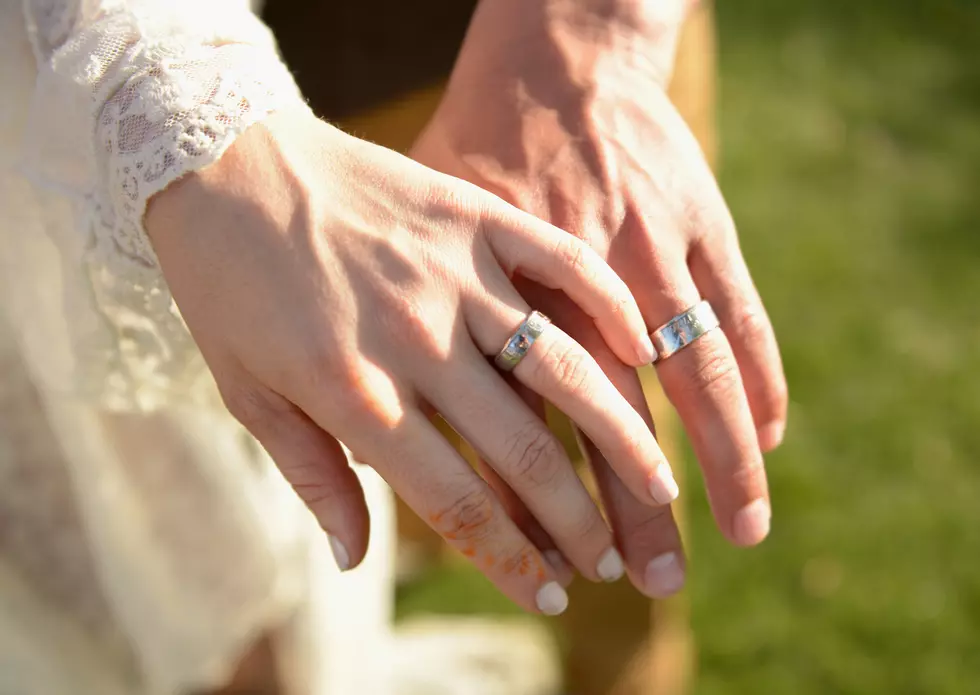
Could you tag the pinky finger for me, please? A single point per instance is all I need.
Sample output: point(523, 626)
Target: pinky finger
point(316, 466)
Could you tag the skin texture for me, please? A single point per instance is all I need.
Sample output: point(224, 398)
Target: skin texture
point(341, 292)
point(565, 115)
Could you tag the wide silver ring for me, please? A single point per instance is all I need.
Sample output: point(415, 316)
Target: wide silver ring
point(518, 344)
point(684, 329)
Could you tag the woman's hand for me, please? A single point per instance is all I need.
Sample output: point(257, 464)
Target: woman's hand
point(340, 292)
point(564, 114)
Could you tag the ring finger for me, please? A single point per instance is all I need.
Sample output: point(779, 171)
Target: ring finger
point(703, 382)
point(486, 411)
point(560, 370)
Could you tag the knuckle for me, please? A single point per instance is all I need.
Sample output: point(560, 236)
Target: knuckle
point(534, 457)
point(695, 218)
point(469, 517)
point(452, 201)
point(655, 524)
point(344, 393)
point(591, 526)
point(248, 406)
point(717, 372)
point(569, 367)
point(577, 258)
point(318, 365)
point(317, 496)
point(749, 325)
point(620, 301)
point(703, 211)
point(410, 322)
point(341, 383)
point(749, 474)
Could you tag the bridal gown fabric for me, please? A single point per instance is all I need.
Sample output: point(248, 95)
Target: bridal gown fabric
point(146, 540)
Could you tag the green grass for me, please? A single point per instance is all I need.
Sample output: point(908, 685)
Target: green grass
point(851, 159)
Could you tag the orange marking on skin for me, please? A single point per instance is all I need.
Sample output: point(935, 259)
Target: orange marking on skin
point(527, 563)
point(465, 522)
point(468, 551)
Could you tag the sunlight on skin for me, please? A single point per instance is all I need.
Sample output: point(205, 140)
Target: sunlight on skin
point(381, 397)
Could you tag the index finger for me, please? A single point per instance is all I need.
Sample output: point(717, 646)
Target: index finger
point(558, 260)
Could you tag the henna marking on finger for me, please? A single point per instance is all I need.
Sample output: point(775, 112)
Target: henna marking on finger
point(467, 519)
point(526, 563)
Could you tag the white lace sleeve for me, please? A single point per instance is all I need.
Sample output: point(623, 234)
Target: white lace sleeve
point(130, 95)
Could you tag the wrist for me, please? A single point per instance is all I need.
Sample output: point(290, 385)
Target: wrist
point(640, 20)
point(575, 41)
point(257, 171)
point(597, 20)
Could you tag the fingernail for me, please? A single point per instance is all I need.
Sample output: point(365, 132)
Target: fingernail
point(552, 599)
point(751, 522)
point(663, 487)
point(664, 575)
point(340, 555)
point(771, 435)
point(562, 569)
point(610, 567)
point(645, 350)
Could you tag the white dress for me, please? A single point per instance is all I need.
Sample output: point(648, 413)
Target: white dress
point(145, 539)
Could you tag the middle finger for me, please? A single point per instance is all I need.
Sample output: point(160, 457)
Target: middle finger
point(560, 370)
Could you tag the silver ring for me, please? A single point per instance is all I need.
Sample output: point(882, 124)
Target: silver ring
point(518, 344)
point(684, 329)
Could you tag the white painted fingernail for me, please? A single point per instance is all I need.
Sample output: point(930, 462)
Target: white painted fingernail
point(610, 566)
point(340, 555)
point(751, 522)
point(663, 487)
point(552, 599)
point(664, 575)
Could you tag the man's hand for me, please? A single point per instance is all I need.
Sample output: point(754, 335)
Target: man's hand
point(559, 107)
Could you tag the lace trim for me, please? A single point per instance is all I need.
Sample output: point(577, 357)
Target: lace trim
point(131, 96)
point(164, 123)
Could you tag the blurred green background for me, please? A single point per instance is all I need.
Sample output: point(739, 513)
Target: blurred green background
point(850, 155)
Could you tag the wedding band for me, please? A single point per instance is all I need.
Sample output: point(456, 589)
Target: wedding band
point(684, 329)
point(518, 344)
